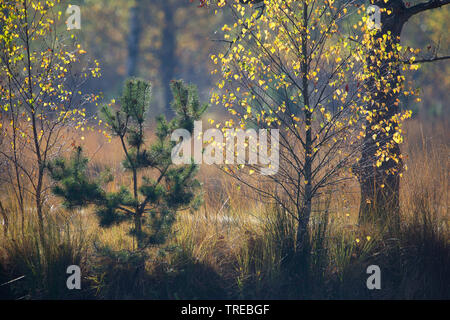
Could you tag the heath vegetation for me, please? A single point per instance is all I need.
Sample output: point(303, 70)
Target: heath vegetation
point(357, 137)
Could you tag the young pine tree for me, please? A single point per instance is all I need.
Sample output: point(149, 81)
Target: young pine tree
point(158, 188)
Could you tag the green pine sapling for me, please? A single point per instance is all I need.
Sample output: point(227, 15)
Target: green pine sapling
point(158, 187)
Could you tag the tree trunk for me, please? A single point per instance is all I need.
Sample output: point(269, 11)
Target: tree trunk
point(40, 213)
point(133, 40)
point(19, 190)
point(380, 185)
point(5, 219)
point(137, 211)
point(167, 55)
point(138, 229)
point(305, 212)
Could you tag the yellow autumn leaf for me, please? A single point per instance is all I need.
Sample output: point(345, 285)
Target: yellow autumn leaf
point(398, 138)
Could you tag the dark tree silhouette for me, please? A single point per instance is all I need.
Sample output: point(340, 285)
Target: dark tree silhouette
point(380, 186)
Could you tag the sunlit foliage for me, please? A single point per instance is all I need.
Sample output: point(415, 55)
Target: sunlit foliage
point(288, 65)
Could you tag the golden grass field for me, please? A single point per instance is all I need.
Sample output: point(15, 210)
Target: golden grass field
point(237, 246)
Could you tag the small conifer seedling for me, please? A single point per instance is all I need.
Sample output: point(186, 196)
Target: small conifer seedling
point(158, 188)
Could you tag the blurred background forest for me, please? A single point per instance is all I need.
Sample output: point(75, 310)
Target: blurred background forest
point(161, 40)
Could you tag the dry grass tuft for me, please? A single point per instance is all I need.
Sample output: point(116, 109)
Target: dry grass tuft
point(244, 248)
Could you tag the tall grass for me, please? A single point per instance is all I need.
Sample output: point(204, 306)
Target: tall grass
point(238, 246)
point(43, 268)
